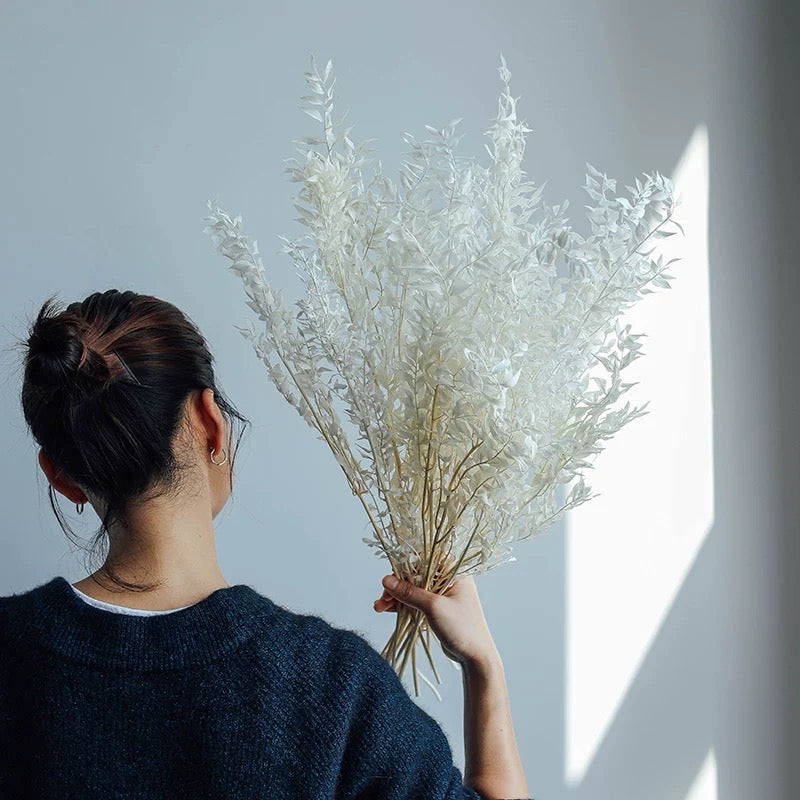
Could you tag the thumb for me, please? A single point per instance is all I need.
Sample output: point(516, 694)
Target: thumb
point(407, 593)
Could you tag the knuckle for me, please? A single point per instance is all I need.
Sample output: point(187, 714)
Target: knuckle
point(405, 590)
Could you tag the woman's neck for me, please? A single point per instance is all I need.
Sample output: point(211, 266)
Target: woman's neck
point(173, 592)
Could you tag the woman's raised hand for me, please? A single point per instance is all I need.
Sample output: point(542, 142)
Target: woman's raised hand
point(455, 616)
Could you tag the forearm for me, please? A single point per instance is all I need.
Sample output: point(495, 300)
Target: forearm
point(492, 762)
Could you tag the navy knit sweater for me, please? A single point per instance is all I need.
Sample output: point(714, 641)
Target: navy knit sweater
point(234, 697)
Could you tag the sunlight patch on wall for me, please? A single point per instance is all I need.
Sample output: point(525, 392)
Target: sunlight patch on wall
point(705, 784)
point(629, 550)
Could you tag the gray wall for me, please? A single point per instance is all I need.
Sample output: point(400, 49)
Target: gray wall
point(779, 190)
point(120, 120)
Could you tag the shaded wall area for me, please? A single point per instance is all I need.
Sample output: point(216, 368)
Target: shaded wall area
point(783, 179)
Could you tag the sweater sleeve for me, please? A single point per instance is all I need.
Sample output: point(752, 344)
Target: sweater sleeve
point(394, 749)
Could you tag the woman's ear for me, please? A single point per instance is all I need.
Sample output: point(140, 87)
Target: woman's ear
point(59, 481)
point(213, 420)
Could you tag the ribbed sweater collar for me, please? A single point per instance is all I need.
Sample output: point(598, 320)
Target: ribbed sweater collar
point(67, 625)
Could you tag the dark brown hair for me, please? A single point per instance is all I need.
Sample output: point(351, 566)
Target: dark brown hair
point(104, 391)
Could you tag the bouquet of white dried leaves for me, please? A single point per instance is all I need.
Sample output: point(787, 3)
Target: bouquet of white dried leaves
point(435, 314)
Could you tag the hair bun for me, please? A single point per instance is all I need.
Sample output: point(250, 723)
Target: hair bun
point(56, 346)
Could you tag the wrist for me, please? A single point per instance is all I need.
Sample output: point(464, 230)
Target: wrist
point(484, 664)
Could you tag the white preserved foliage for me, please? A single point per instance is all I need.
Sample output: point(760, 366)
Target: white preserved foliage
point(435, 313)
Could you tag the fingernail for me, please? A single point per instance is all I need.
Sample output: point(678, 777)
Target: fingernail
point(390, 582)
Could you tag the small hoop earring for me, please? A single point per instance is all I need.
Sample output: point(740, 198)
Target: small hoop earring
point(79, 507)
point(219, 463)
